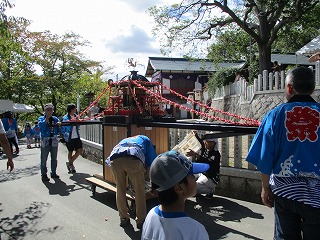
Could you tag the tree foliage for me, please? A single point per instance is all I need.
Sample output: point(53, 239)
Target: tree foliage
point(190, 22)
point(295, 35)
point(62, 65)
point(15, 64)
point(4, 5)
point(63, 71)
point(222, 77)
point(96, 84)
point(234, 44)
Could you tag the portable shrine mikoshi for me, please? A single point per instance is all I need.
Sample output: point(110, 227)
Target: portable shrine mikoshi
point(136, 106)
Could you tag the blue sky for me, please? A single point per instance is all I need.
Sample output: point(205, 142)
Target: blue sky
point(117, 29)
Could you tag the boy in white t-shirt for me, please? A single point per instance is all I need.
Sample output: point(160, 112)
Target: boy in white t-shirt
point(171, 174)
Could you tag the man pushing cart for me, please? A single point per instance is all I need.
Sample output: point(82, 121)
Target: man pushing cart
point(131, 158)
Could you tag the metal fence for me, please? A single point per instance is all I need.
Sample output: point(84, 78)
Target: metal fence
point(92, 133)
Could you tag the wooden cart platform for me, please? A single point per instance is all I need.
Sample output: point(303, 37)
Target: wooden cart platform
point(98, 180)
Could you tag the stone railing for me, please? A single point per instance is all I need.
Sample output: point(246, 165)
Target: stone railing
point(265, 83)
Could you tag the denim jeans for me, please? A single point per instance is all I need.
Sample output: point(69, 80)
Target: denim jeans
point(295, 220)
point(44, 155)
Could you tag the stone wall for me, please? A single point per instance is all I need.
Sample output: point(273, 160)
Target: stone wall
point(257, 107)
point(240, 184)
point(92, 151)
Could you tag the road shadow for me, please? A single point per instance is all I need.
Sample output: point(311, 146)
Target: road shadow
point(131, 232)
point(108, 198)
point(209, 211)
point(58, 187)
point(19, 173)
point(79, 180)
point(24, 223)
point(224, 209)
point(105, 197)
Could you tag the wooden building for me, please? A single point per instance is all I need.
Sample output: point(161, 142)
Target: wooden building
point(183, 76)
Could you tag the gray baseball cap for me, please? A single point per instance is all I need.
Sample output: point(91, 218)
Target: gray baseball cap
point(48, 105)
point(169, 168)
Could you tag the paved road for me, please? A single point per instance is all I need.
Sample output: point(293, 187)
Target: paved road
point(65, 208)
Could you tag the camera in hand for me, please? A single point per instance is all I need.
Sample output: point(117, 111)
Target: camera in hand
point(51, 120)
point(51, 130)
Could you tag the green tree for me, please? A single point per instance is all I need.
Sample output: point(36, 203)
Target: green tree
point(95, 83)
point(4, 4)
point(62, 64)
point(221, 77)
point(231, 45)
point(186, 24)
point(234, 44)
point(15, 65)
point(295, 35)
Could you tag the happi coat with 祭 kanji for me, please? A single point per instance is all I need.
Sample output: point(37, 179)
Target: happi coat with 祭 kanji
point(287, 142)
point(286, 147)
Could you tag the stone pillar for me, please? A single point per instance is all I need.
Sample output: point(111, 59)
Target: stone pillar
point(238, 152)
point(250, 138)
point(225, 152)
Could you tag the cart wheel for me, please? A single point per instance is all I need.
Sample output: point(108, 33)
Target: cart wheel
point(131, 204)
point(93, 189)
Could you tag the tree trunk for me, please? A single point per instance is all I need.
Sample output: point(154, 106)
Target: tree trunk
point(264, 57)
point(54, 103)
point(264, 45)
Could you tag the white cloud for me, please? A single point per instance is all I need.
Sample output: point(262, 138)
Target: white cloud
point(117, 29)
point(141, 5)
point(138, 41)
